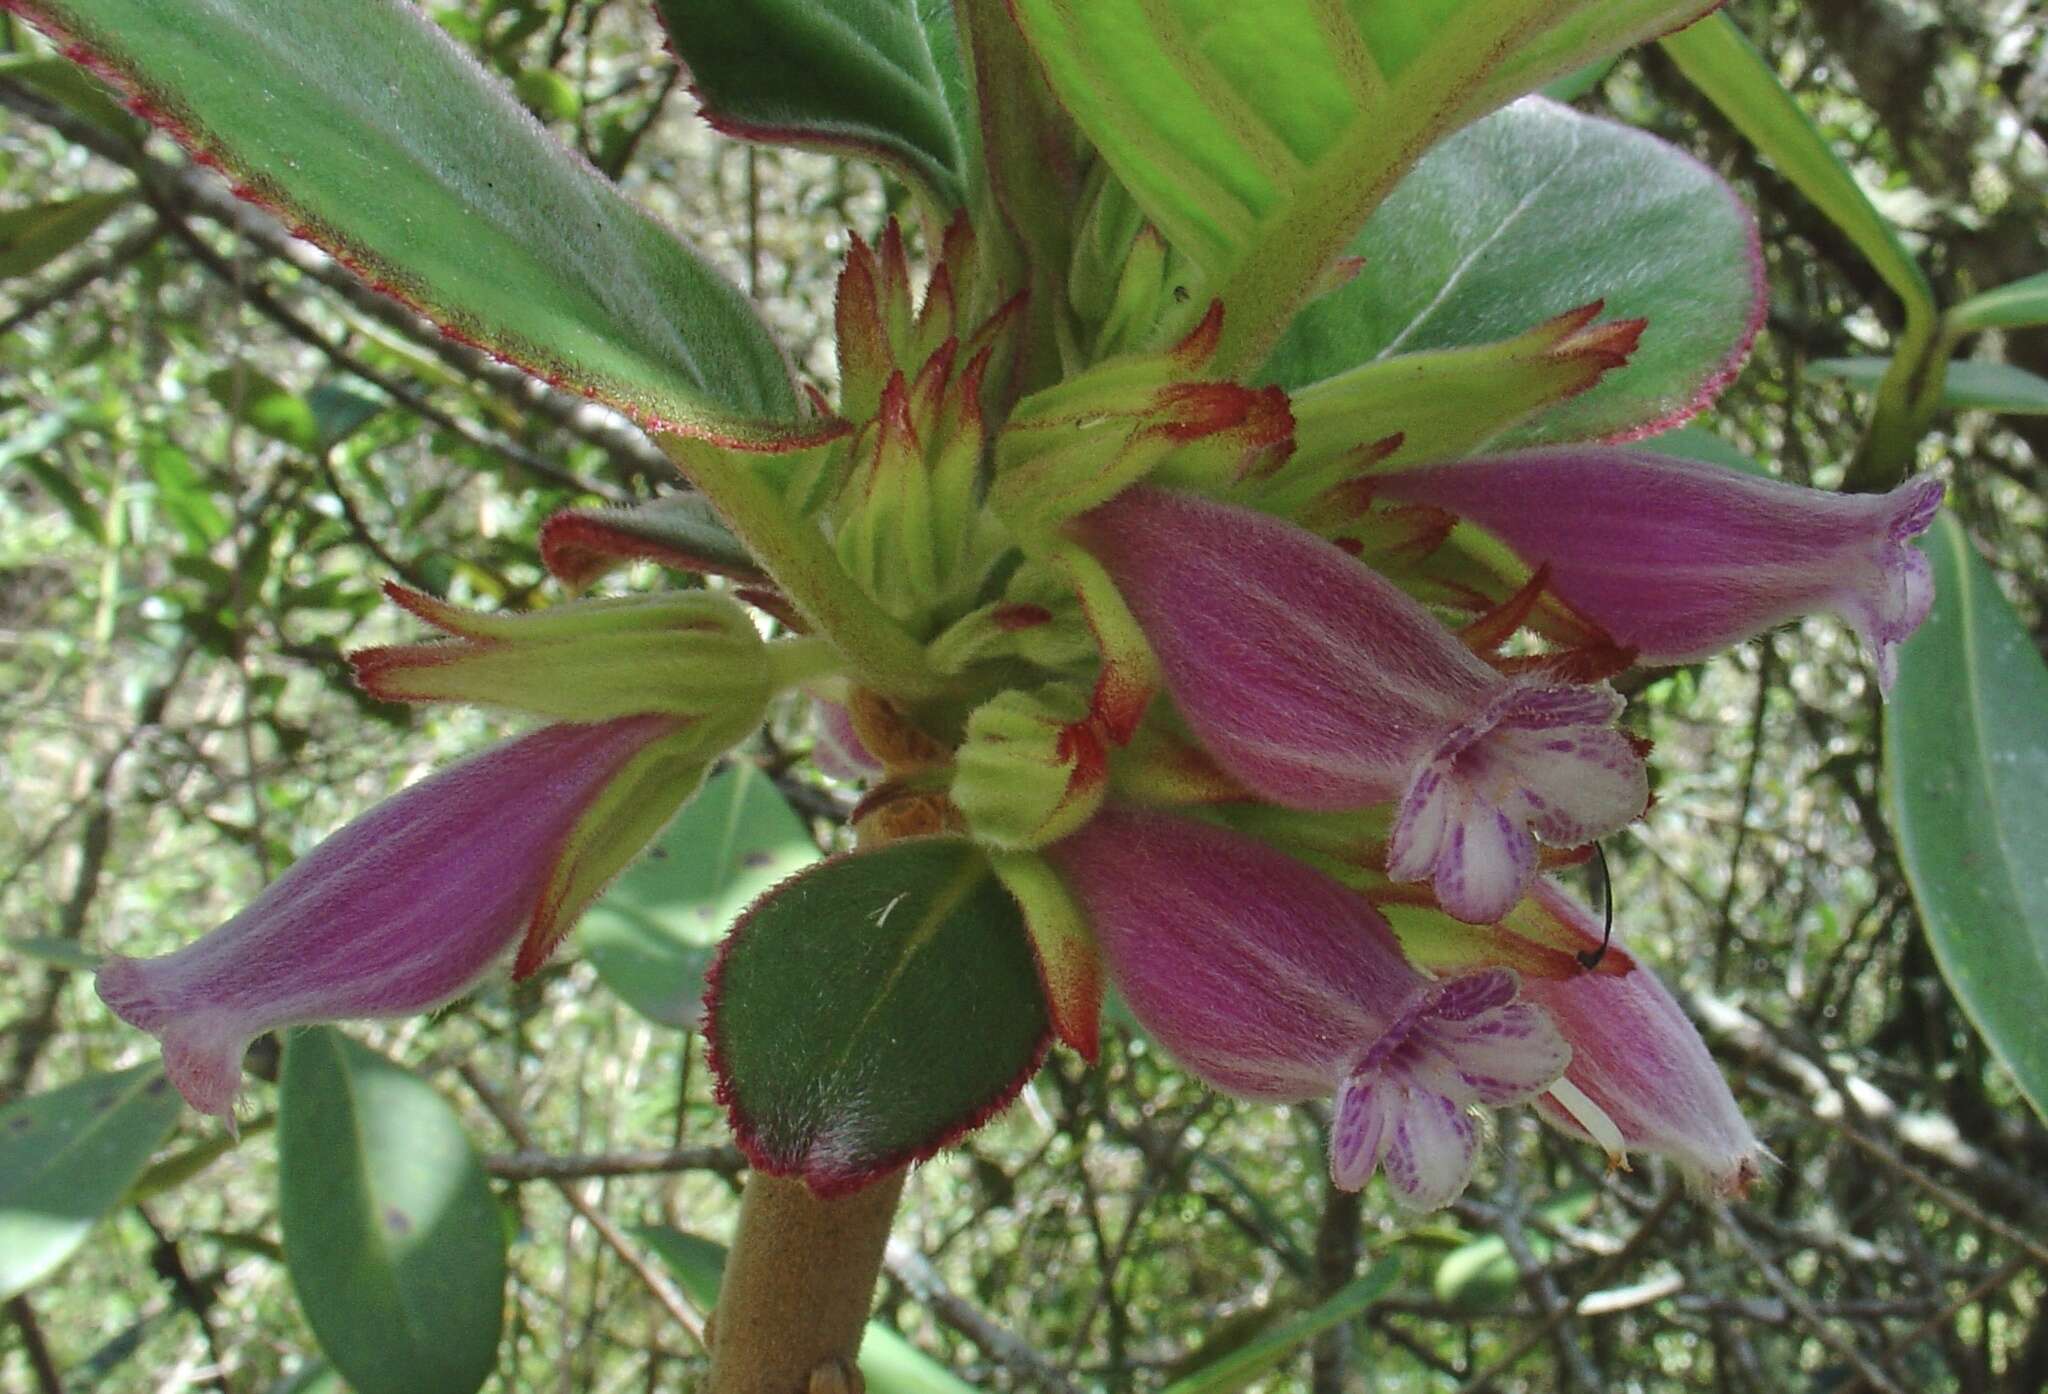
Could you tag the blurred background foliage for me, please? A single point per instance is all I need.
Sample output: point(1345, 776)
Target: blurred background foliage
point(214, 447)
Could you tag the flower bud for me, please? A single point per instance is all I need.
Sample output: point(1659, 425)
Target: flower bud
point(1677, 559)
point(687, 654)
point(1032, 769)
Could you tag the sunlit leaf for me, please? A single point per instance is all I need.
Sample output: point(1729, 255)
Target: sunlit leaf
point(1534, 211)
point(1966, 751)
point(42, 232)
point(2018, 305)
point(1969, 385)
point(67, 1157)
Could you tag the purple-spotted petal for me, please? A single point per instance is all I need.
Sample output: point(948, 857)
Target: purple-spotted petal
point(1432, 1148)
point(1508, 1055)
point(1358, 1134)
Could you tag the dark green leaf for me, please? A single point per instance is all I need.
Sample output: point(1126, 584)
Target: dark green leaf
point(1698, 443)
point(179, 1167)
point(830, 74)
point(871, 1009)
point(681, 531)
point(64, 953)
point(1971, 385)
point(1258, 137)
point(2019, 305)
point(339, 413)
point(67, 1157)
point(1261, 1357)
point(1481, 1275)
point(392, 1236)
point(389, 146)
point(264, 404)
point(1536, 210)
point(1966, 747)
point(651, 936)
point(888, 1363)
point(42, 232)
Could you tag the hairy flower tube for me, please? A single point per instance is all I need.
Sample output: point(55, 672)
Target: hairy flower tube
point(1319, 685)
point(1677, 560)
point(407, 907)
point(1638, 1060)
point(1270, 981)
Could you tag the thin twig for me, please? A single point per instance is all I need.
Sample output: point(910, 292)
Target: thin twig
point(910, 1268)
point(542, 1166)
point(630, 1254)
point(48, 1379)
point(1796, 1302)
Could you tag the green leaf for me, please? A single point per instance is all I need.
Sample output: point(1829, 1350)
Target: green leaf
point(680, 531)
point(548, 95)
point(1966, 749)
point(42, 232)
point(1970, 385)
point(61, 953)
point(1578, 82)
point(1258, 137)
point(184, 497)
point(388, 145)
point(2019, 305)
point(888, 1363)
point(872, 1009)
point(62, 82)
point(835, 75)
point(1536, 210)
point(68, 496)
point(1242, 1366)
point(394, 1242)
point(1481, 1275)
point(1699, 443)
point(67, 1157)
point(264, 404)
point(1728, 70)
point(339, 413)
point(179, 1167)
point(651, 937)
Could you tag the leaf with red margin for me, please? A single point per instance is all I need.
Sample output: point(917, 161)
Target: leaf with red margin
point(1532, 212)
point(871, 1010)
point(843, 76)
point(376, 137)
point(679, 531)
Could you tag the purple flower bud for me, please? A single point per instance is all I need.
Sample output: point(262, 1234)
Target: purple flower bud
point(1678, 560)
point(1270, 981)
point(1319, 685)
point(405, 908)
point(1639, 1061)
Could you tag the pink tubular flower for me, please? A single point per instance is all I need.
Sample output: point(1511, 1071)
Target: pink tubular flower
point(1678, 560)
point(405, 908)
point(1638, 1060)
point(1318, 685)
point(1270, 981)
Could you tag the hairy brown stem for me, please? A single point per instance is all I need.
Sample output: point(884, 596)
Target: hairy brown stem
point(798, 1284)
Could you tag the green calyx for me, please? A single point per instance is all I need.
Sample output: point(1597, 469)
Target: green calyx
point(1032, 768)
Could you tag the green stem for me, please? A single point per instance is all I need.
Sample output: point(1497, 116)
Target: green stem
point(793, 551)
point(795, 661)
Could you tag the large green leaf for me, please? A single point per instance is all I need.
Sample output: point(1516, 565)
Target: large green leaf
point(1258, 137)
point(42, 232)
point(1536, 210)
point(871, 1009)
point(67, 1157)
point(651, 936)
point(1966, 747)
point(1969, 385)
point(394, 1242)
point(681, 531)
point(383, 141)
point(829, 74)
point(888, 1363)
point(1238, 1369)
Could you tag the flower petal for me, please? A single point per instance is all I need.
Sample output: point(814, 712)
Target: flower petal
point(1431, 1151)
point(1358, 1134)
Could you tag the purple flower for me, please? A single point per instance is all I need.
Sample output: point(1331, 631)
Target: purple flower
point(1270, 981)
point(407, 907)
point(1319, 685)
point(1678, 560)
point(1640, 1066)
